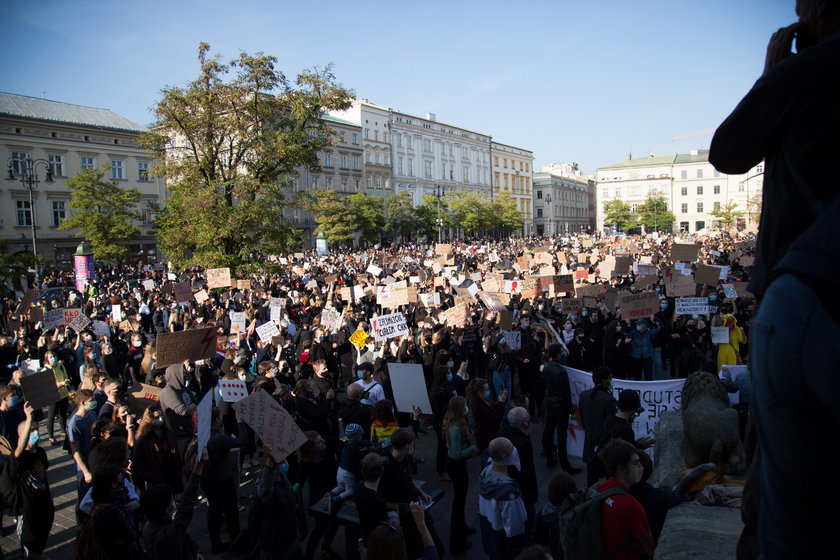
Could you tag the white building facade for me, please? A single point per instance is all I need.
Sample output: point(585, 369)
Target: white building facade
point(692, 187)
point(513, 171)
point(562, 200)
point(66, 139)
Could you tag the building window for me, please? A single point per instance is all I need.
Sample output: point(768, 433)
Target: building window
point(357, 185)
point(699, 225)
point(377, 159)
point(357, 162)
point(717, 206)
point(56, 165)
point(376, 135)
point(634, 191)
point(411, 166)
point(400, 165)
point(314, 181)
point(355, 138)
point(427, 145)
point(759, 168)
point(741, 187)
point(684, 207)
point(700, 207)
point(605, 193)
point(408, 142)
point(328, 160)
point(117, 170)
point(684, 174)
point(699, 173)
point(618, 193)
point(684, 191)
point(24, 213)
point(59, 212)
point(378, 183)
point(367, 157)
point(717, 189)
point(505, 162)
point(369, 182)
point(634, 207)
point(87, 162)
point(466, 174)
point(18, 162)
point(367, 134)
point(539, 193)
point(716, 173)
point(329, 182)
point(142, 170)
point(387, 159)
point(384, 136)
point(427, 168)
point(496, 161)
point(343, 185)
point(700, 189)
point(344, 162)
point(539, 213)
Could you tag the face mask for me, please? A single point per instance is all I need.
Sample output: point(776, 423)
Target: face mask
point(712, 298)
point(34, 438)
point(14, 401)
point(568, 327)
point(53, 361)
point(487, 395)
point(284, 468)
point(573, 317)
point(584, 313)
point(91, 406)
point(663, 306)
point(511, 461)
point(450, 364)
point(636, 474)
point(237, 359)
point(526, 325)
point(618, 328)
point(360, 374)
point(157, 422)
point(137, 343)
point(123, 315)
point(640, 328)
point(449, 377)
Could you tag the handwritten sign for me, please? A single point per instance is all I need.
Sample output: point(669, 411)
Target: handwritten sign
point(720, 335)
point(233, 390)
point(373, 269)
point(71, 314)
point(638, 306)
point(330, 318)
point(513, 339)
point(149, 285)
point(79, 323)
point(53, 318)
point(493, 302)
point(201, 296)
point(183, 292)
point(457, 316)
point(40, 389)
point(691, 306)
point(564, 283)
point(430, 300)
point(274, 426)
point(143, 397)
point(388, 326)
point(101, 328)
point(443, 249)
point(358, 338)
point(572, 306)
point(267, 330)
point(730, 291)
point(218, 278)
point(237, 322)
point(243, 285)
point(192, 344)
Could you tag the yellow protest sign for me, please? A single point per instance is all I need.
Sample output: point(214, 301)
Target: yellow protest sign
point(358, 338)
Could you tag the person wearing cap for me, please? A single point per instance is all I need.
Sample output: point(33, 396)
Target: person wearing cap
point(500, 506)
point(348, 466)
point(620, 426)
point(372, 391)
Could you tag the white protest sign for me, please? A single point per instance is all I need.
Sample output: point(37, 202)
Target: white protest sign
point(388, 326)
point(28, 367)
point(275, 313)
point(513, 339)
point(274, 426)
point(79, 323)
point(203, 413)
point(101, 328)
point(691, 306)
point(428, 300)
point(267, 330)
point(218, 278)
point(330, 318)
point(409, 387)
point(734, 373)
point(70, 315)
point(116, 313)
point(237, 322)
point(201, 296)
point(277, 302)
point(373, 269)
point(233, 390)
point(720, 335)
point(492, 301)
point(729, 291)
point(53, 318)
point(149, 285)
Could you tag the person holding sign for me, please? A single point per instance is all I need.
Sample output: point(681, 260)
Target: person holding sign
point(729, 353)
point(62, 381)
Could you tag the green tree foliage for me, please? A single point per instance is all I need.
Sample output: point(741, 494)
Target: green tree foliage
point(340, 219)
point(402, 218)
point(619, 214)
point(654, 213)
point(14, 265)
point(228, 144)
point(727, 214)
point(503, 215)
point(427, 214)
point(754, 207)
point(105, 214)
point(467, 211)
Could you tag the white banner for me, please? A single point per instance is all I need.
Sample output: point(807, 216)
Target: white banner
point(691, 306)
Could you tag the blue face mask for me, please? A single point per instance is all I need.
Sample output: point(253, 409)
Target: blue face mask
point(360, 374)
point(584, 313)
point(712, 298)
point(157, 422)
point(663, 306)
point(640, 328)
point(34, 438)
point(14, 401)
point(487, 395)
point(449, 377)
point(284, 468)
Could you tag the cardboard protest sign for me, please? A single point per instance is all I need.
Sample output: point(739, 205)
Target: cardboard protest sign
point(142, 397)
point(218, 278)
point(202, 421)
point(388, 326)
point(457, 316)
point(53, 318)
point(233, 390)
point(116, 313)
point(492, 302)
point(544, 258)
point(513, 339)
point(430, 300)
point(267, 330)
point(747, 261)
point(590, 301)
point(274, 426)
point(40, 389)
point(201, 296)
point(571, 306)
point(373, 269)
point(645, 270)
point(589, 290)
point(79, 323)
point(741, 289)
point(101, 328)
point(547, 270)
point(564, 283)
point(720, 335)
point(622, 264)
point(730, 291)
point(708, 275)
point(243, 284)
point(409, 387)
point(330, 318)
point(237, 322)
point(192, 344)
point(126, 326)
point(638, 306)
point(70, 315)
point(397, 297)
point(684, 252)
point(610, 298)
point(561, 257)
point(358, 338)
point(443, 249)
point(678, 285)
point(691, 306)
point(149, 285)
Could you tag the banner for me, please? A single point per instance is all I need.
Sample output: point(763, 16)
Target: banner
point(656, 396)
point(388, 326)
point(691, 306)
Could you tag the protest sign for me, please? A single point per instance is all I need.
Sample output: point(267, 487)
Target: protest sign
point(70, 315)
point(589, 290)
point(645, 270)
point(388, 326)
point(218, 278)
point(267, 330)
point(505, 319)
point(622, 264)
point(192, 344)
point(237, 322)
point(149, 285)
point(457, 316)
point(511, 286)
point(492, 301)
point(53, 318)
point(373, 269)
point(183, 292)
point(202, 421)
point(730, 291)
point(747, 261)
point(513, 339)
point(30, 366)
point(547, 270)
point(274, 426)
point(39, 389)
point(397, 297)
point(564, 283)
point(678, 285)
point(734, 372)
point(233, 390)
point(610, 299)
point(684, 252)
point(116, 313)
point(409, 387)
point(443, 249)
point(429, 300)
point(720, 335)
point(142, 397)
point(691, 306)
point(79, 323)
point(638, 306)
point(544, 258)
point(358, 338)
point(275, 314)
point(741, 289)
point(590, 302)
point(243, 285)
point(101, 328)
point(346, 294)
point(330, 318)
point(573, 305)
point(705, 274)
point(125, 326)
point(201, 296)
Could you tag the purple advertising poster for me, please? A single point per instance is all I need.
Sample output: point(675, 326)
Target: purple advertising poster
point(84, 270)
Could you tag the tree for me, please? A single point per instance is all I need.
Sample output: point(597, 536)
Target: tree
point(105, 214)
point(228, 146)
point(340, 219)
point(401, 216)
point(504, 216)
point(754, 207)
point(426, 215)
point(369, 216)
point(467, 211)
point(14, 265)
point(654, 213)
point(619, 214)
point(727, 214)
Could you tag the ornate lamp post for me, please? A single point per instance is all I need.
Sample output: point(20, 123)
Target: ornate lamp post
point(27, 170)
point(439, 193)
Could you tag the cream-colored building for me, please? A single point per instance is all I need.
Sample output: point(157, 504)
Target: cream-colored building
point(563, 200)
point(66, 139)
point(690, 184)
point(513, 170)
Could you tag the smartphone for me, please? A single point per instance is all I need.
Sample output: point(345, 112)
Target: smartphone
point(804, 37)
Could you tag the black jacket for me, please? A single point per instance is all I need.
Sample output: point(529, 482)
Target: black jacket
point(527, 475)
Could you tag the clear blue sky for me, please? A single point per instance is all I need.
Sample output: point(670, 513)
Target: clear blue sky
point(583, 81)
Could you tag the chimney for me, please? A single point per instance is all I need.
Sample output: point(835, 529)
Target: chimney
point(629, 156)
point(431, 116)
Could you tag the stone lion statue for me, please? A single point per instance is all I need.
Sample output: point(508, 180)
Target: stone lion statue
point(710, 424)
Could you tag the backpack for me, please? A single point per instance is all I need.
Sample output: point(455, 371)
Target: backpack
point(366, 392)
point(87, 545)
point(581, 536)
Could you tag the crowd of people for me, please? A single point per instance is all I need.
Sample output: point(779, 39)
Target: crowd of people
point(139, 473)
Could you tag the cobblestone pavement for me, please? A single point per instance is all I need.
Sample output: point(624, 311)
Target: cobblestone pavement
point(62, 475)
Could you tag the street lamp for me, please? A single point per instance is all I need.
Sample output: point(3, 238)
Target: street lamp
point(439, 193)
point(548, 202)
point(28, 171)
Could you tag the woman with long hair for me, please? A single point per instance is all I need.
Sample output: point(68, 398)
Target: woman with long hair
point(487, 413)
point(155, 457)
point(459, 451)
point(62, 381)
point(122, 424)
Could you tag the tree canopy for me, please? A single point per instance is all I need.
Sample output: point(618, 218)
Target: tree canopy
point(727, 214)
point(105, 214)
point(654, 213)
point(340, 218)
point(229, 144)
point(619, 214)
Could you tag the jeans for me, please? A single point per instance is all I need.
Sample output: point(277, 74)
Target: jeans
point(795, 357)
point(346, 484)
